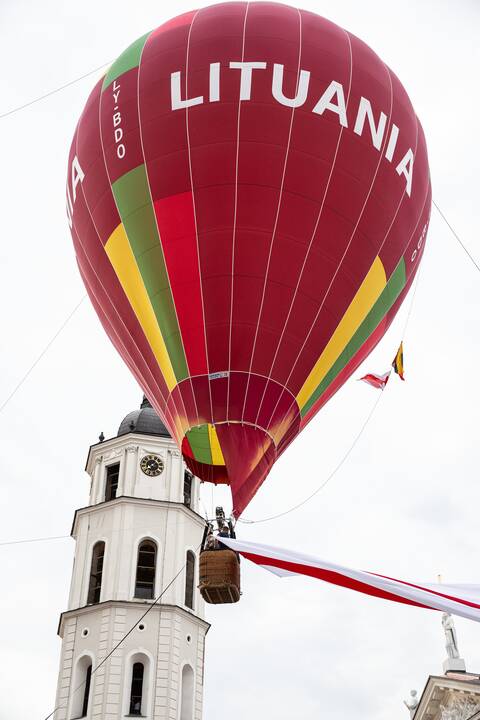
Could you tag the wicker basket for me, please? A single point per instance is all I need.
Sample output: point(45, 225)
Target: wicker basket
point(219, 576)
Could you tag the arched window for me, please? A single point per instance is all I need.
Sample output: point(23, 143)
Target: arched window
point(186, 708)
point(136, 692)
point(82, 679)
point(96, 571)
point(138, 687)
point(189, 579)
point(145, 575)
point(86, 690)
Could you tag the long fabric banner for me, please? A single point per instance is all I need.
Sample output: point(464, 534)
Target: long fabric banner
point(463, 600)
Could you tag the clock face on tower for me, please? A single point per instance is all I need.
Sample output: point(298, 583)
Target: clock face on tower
point(151, 465)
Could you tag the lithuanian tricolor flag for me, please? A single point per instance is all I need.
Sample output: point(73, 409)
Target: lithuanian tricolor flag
point(398, 362)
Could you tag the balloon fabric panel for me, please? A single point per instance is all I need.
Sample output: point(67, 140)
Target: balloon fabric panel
point(249, 195)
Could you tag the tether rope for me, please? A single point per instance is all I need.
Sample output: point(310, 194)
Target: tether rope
point(326, 481)
point(456, 235)
point(39, 357)
point(52, 92)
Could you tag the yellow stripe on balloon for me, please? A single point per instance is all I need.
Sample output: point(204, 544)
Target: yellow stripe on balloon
point(123, 261)
point(365, 297)
point(215, 449)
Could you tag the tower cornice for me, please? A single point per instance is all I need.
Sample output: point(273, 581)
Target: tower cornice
point(142, 606)
point(126, 499)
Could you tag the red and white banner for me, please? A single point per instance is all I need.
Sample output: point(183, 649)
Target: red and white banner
point(463, 600)
point(376, 381)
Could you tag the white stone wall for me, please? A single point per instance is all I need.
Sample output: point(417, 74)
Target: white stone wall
point(65, 672)
point(171, 637)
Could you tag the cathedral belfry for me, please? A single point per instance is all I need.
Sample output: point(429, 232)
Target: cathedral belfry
point(139, 529)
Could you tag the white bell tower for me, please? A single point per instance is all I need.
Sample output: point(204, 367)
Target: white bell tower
point(140, 528)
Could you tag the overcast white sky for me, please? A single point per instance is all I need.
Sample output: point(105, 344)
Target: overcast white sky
point(406, 501)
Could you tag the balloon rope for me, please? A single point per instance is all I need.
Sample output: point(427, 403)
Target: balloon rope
point(326, 481)
point(22, 541)
point(53, 92)
point(355, 441)
point(456, 235)
point(33, 540)
point(45, 349)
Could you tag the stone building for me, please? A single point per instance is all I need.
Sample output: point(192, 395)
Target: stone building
point(138, 537)
point(455, 695)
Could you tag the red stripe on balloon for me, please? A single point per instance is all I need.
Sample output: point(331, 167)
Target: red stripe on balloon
point(249, 455)
point(176, 225)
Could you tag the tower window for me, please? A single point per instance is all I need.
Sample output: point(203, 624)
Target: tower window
point(137, 689)
point(111, 483)
point(145, 576)
point(86, 691)
point(186, 708)
point(189, 579)
point(187, 488)
point(82, 679)
point(96, 571)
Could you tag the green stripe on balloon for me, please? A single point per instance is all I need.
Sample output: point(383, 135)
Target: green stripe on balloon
point(132, 196)
point(199, 441)
point(129, 59)
point(392, 290)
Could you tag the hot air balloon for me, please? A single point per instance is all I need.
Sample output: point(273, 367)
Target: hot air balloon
point(248, 194)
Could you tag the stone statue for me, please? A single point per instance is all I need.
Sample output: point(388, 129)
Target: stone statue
point(459, 709)
point(450, 636)
point(412, 702)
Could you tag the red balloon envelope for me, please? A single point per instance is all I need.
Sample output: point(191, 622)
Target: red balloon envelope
point(249, 194)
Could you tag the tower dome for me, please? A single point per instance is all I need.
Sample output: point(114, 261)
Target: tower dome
point(144, 421)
